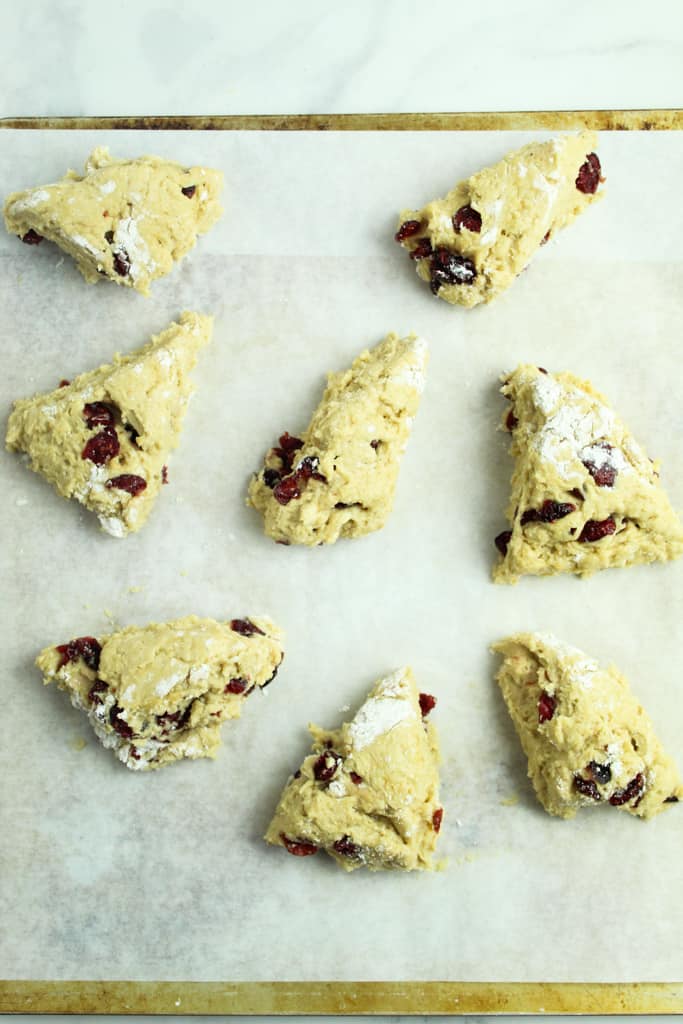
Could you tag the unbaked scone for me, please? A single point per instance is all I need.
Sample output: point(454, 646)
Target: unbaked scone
point(471, 245)
point(584, 494)
point(125, 220)
point(586, 737)
point(105, 438)
point(338, 479)
point(369, 793)
point(158, 693)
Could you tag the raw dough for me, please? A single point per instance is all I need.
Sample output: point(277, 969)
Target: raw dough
point(369, 793)
point(136, 404)
point(126, 220)
point(587, 738)
point(159, 693)
point(472, 245)
point(338, 479)
point(584, 494)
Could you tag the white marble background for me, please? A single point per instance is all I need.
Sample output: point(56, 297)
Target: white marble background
point(72, 57)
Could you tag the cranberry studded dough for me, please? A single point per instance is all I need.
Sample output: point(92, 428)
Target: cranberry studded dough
point(105, 438)
point(159, 693)
point(584, 495)
point(369, 793)
point(472, 245)
point(125, 220)
point(338, 479)
point(587, 739)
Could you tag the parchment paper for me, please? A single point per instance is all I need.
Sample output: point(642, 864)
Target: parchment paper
point(111, 874)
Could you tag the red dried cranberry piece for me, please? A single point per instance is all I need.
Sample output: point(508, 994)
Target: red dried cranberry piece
point(98, 687)
point(170, 721)
point(119, 724)
point(236, 686)
point(325, 768)
point(601, 773)
point(164, 474)
point(673, 799)
point(468, 218)
point(408, 229)
point(586, 787)
point(346, 848)
point(298, 848)
point(546, 707)
point(109, 237)
point(450, 268)
point(502, 541)
point(597, 529)
point(576, 493)
point(633, 791)
point(356, 779)
point(290, 444)
point(189, 191)
point(32, 237)
point(427, 703)
point(134, 753)
point(98, 414)
point(308, 469)
point(64, 383)
point(128, 482)
point(606, 474)
point(511, 420)
point(132, 433)
point(549, 512)
point(102, 447)
point(270, 477)
point(422, 251)
point(245, 627)
point(545, 237)
point(437, 818)
point(286, 490)
point(589, 176)
point(85, 647)
point(122, 263)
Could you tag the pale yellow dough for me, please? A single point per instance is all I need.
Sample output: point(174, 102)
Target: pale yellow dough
point(146, 395)
point(125, 220)
point(369, 793)
point(159, 693)
point(353, 443)
point(571, 449)
point(522, 201)
point(587, 739)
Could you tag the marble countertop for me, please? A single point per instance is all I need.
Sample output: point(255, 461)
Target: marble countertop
point(218, 57)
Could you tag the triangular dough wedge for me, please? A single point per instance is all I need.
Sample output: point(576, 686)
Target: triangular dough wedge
point(587, 739)
point(471, 245)
point(105, 438)
point(158, 693)
point(584, 496)
point(125, 220)
point(338, 479)
point(369, 793)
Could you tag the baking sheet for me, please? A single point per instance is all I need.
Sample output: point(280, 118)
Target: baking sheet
point(109, 874)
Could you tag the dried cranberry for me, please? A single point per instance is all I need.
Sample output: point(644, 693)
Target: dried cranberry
point(132, 433)
point(450, 268)
point(298, 848)
point(606, 474)
point(119, 724)
point(85, 647)
point(468, 218)
point(97, 414)
point(346, 848)
point(545, 237)
point(408, 229)
point(245, 627)
point(122, 263)
point(511, 420)
point(576, 493)
point(128, 482)
point(673, 799)
point(427, 703)
point(589, 176)
point(109, 237)
point(189, 191)
point(325, 768)
point(236, 686)
point(422, 251)
point(437, 818)
point(32, 237)
point(502, 541)
point(549, 512)
point(102, 447)
point(170, 721)
point(633, 791)
point(164, 474)
point(586, 787)
point(542, 369)
point(597, 529)
point(98, 687)
point(290, 444)
point(546, 707)
point(308, 469)
point(64, 383)
point(297, 774)
point(270, 477)
point(375, 444)
point(134, 753)
point(601, 773)
point(286, 490)
point(356, 779)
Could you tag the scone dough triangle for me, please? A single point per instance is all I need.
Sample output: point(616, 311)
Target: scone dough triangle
point(339, 477)
point(587, 739)
point(125, 220)
point(105, 438)
point(584, 495)
point(158, 693)
point(369, 793)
